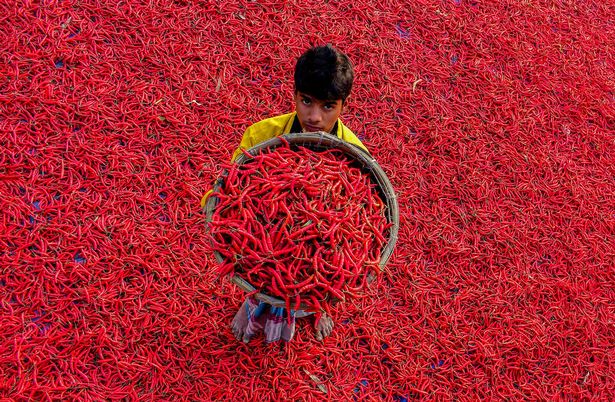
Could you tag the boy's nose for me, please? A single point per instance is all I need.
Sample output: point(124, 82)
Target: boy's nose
point(315, 116)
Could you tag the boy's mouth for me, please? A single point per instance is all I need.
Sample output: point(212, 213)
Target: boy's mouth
point(309, 128)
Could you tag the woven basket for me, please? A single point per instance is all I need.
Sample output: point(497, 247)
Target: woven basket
point(320, 142)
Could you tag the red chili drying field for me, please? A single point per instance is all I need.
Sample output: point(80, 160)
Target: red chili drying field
point(494, 121)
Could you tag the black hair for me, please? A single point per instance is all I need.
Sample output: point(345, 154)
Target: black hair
point(324, 73)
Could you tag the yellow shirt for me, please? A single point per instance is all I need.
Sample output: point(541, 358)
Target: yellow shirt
point(279, 125)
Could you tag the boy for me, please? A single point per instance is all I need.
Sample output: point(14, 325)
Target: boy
point(323, 81)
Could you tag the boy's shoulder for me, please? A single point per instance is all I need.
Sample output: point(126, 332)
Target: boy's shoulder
point(273, 124)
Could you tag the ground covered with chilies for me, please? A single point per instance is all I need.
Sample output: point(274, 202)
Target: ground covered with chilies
point(494, 121)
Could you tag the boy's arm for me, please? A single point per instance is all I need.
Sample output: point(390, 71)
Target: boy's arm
point(350, 137)
point(246, 143)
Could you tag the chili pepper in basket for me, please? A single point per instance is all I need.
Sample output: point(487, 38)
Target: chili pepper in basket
point(334, 236)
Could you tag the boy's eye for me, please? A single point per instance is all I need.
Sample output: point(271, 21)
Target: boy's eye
point(329, 107)
point(306, 101)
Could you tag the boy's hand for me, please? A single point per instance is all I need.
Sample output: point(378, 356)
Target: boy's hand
point(324, 327)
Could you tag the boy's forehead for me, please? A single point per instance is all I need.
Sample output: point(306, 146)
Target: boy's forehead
point(314, 98)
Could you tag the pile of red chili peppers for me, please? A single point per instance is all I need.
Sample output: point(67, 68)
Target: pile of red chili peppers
point(493, 121)
point(300, 225)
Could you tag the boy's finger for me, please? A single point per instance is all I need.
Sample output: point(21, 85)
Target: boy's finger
point(318, 335)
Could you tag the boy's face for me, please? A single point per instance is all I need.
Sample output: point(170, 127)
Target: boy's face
point(315, 114)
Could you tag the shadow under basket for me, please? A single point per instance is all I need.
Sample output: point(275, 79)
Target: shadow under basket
point(319, 142)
